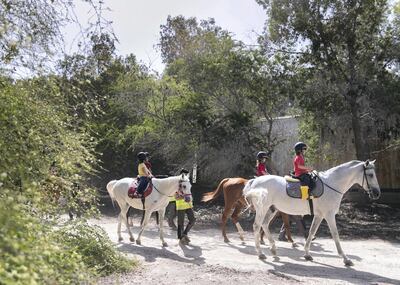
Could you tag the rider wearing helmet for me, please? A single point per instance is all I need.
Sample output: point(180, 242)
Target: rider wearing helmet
point(143, 172)
point(260, 163)
point(300, 170)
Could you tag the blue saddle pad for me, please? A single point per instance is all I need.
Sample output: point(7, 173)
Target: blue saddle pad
point(293, 189)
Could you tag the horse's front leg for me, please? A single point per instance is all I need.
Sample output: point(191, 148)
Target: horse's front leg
point(313, 229)
point(267, 220)
point(146, 219)
point(330, 219)
point(161, 214)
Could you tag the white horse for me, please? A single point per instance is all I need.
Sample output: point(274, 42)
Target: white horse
point(158, 200)
point(270, 190)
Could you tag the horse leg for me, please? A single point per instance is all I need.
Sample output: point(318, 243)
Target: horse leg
point(161, 214)
point(262, 234)
point(124, 213)
point(260, 215)
point(224, 220)
point(330, 219)
point(286, 222)
point(235, 219)
point(146, 219)
point(265, 225)
point(119, 226)
point(313, 229)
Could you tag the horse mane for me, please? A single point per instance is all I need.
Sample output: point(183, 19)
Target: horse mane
point(348, 164)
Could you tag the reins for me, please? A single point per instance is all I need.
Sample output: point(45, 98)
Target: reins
point(323, 183)
point(180, 185)
point(362, 184)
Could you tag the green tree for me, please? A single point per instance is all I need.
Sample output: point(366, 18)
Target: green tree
point(347, 48)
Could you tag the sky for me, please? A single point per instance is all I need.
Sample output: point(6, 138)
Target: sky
point(136, 23)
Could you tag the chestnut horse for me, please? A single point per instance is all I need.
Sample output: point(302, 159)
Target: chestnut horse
point(234, 199)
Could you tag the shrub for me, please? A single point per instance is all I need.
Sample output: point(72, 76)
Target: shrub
point(97, 250)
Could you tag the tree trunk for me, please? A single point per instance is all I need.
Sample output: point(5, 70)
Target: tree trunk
point(359, 142)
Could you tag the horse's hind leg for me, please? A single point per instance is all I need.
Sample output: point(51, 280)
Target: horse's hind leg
point(123, 215)
point(286, 222)
point(235, 219)
point(224, 220)
point(260, 216)
point(265, 225)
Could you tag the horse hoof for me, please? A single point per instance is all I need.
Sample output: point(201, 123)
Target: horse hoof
point(138, 242)
point(262, 242)
point(120, 239)
point(273, 252)
point(226, 240)
point(294, 245)
point(348, 262)
point(164, 244)
point(132, 239)
point(262, 256)
point(308, 257)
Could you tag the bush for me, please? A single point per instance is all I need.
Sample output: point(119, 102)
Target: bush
point(97, 250)
point(28, 255)
point(34, 251)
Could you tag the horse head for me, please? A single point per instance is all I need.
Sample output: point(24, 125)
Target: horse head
point(185, 185)
point(373, 188)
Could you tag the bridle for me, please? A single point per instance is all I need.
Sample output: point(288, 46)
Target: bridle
point(369, 191)
point(180, 187)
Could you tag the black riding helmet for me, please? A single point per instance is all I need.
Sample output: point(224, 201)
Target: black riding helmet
point(141, 156)
point(299, 146)
point(262, 154)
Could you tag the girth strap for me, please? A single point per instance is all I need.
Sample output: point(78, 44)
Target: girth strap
point(310, 202)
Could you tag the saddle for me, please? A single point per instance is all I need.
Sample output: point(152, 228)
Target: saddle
point(294, 188)
point(132, 190)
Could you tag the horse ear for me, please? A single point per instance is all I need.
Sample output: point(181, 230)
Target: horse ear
point(373, 162)
point(366, 162)
point(183, 175)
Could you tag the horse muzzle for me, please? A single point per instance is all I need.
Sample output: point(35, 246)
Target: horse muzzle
point(375, 194)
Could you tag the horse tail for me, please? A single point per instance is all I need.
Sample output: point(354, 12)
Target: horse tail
point(255, 198)
point(213, 195)
point(247, 187)
point(110, 190)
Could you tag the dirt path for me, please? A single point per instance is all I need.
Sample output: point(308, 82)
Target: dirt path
point(208, 260)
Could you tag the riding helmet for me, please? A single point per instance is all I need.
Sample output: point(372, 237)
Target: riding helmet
point(141, 156)
point(299, 146)
point(262, 154)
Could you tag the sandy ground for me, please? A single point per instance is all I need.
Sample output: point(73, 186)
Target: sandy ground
point(208, 260)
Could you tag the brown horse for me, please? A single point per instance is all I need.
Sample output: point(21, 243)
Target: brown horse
point(233, 196)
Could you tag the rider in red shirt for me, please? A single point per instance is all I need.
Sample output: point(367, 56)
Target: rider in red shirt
point(300, 170)
point(261, 168)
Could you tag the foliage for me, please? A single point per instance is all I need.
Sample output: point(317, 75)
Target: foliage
point(92, 243)
point(348, 49)
point(28, 254)
point(39, 144)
